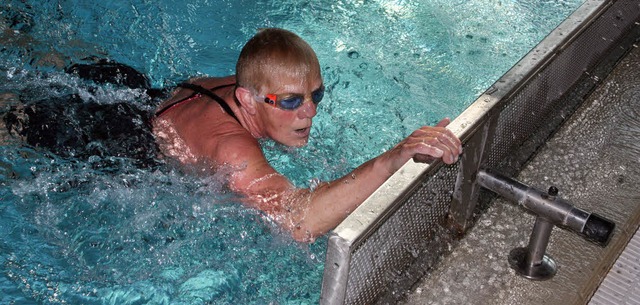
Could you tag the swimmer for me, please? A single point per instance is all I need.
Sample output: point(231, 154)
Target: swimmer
point(274, 95)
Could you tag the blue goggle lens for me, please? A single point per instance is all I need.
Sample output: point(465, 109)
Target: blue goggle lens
point(293, 102)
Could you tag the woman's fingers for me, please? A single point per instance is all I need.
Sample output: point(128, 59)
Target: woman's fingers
point(444, 122)
point(435, 142)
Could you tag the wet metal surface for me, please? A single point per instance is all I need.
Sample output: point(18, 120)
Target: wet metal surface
point(594, 160)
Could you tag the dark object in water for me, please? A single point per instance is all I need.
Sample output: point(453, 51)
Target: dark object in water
point(72, 127)
point(105, 71)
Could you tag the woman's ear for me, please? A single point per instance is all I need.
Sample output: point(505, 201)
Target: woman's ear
point(246, 99)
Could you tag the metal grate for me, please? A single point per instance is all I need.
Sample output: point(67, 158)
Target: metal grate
point(404, 220)
point(538, 100)
point(385, 255)
point(622, 284)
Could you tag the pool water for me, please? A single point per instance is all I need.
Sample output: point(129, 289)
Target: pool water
point(105, 231)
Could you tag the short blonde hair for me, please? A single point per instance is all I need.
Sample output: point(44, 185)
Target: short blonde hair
point(274, 53)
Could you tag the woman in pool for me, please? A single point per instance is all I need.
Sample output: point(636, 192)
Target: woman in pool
point(274, 94)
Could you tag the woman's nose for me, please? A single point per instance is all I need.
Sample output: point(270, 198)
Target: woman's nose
point(307, 110)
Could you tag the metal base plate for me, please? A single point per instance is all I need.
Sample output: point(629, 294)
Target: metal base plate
point(539, 272)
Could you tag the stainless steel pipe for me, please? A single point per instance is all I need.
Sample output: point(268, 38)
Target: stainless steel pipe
point(549, 206)
point(532, 262)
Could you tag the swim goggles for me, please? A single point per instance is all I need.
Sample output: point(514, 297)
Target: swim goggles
point(292, 101)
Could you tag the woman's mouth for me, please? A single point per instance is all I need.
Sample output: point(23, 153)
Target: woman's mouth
point(302, 132)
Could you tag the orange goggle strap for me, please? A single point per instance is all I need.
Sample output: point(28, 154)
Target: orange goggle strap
point(271, 99)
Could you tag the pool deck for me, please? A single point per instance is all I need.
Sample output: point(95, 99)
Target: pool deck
point(594, 160)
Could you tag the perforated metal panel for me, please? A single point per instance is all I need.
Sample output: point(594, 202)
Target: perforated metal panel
point(410, 215)
point(385, 255)
point(538, 100)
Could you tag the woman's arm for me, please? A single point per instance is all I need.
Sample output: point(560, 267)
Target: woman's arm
point(311, 213)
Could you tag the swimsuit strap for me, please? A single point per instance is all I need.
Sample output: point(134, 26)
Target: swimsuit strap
point(199, 90)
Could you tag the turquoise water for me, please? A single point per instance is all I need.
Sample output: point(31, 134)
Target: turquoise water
point(103, 231)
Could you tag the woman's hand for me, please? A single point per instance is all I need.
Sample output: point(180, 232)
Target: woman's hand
point(425, 145)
